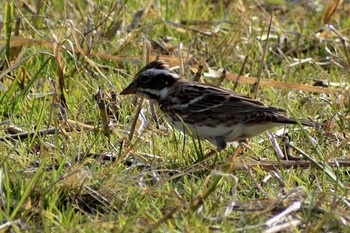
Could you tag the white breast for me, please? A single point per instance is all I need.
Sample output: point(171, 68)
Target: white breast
point(232, 133)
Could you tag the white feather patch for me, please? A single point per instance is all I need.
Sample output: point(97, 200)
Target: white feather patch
point(164, 92)
point(155, 72)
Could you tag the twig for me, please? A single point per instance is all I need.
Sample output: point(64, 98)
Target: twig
point(240, 72)
point(71, 127)
point(104, 114)
point(257, 85)
point(343, 41)
point(275, 165)
point(146, 52)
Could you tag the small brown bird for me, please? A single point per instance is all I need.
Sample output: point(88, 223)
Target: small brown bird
point(213, 113)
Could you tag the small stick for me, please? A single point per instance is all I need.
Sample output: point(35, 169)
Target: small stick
point(343, 41)
point(103, 111)
point(240, 72)
point(198, 74)
point(256, 88)
point(136, 116)
point(146, 52)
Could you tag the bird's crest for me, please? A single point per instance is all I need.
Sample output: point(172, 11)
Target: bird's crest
point(157, 64)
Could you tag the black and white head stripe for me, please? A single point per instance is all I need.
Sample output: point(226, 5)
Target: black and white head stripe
point(158, 64)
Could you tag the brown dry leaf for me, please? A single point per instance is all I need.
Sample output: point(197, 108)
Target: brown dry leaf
point(173, 61)
point(268, 165)
point(27, 205)
point(14, 52)
point(20, 41)
point(140, 15)
point(60, 73)
point(101, 103)
point(279, 84)
point(79, 126)
point(330, 9)
point(28, 5)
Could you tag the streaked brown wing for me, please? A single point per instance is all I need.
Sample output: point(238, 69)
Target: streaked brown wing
point(195, 98)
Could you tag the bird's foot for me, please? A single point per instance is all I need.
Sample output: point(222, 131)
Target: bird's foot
point(239, 149)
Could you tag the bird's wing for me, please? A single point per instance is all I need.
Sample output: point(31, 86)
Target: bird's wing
point(196, 99)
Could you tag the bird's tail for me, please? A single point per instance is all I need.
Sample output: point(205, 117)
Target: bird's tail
point(286, 120)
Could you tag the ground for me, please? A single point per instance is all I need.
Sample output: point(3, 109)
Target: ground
point(76, 156)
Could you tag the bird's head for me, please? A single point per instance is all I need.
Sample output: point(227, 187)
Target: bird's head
point(152, 81)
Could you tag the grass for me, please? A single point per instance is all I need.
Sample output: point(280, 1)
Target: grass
point(65, 160)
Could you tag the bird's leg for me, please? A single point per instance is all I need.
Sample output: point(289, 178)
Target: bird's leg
point(241, 146)
point(220, 143)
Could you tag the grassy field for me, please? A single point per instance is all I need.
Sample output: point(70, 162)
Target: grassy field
point(76, 157)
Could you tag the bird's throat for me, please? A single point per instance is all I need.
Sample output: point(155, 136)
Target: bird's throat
point(155, 94)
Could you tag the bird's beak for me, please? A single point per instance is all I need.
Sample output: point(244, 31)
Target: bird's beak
point(131, 89)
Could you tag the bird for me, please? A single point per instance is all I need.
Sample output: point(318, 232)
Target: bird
point(210, 113)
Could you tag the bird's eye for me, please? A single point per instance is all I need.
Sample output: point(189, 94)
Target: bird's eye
point(143, 78)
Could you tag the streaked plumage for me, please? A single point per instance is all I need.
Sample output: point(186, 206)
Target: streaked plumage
point(213, 113)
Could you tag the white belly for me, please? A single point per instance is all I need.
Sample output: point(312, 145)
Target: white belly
point(232, 133)
point(229, 133)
